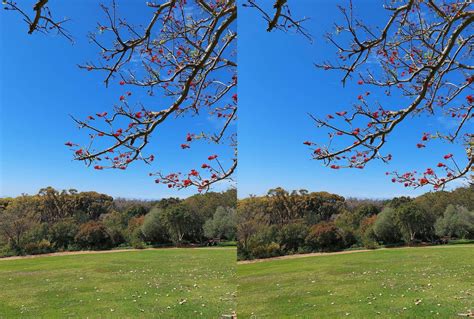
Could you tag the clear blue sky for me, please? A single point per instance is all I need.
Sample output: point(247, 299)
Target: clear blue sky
point(41, 85)
point(278, 86)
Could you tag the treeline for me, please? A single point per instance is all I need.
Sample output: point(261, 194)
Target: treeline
point(283, 222)
point(65, 220)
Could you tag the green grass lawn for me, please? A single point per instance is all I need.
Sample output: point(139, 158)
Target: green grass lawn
point(167, 283)
point(431, 282)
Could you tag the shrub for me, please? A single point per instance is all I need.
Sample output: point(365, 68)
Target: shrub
point(153, 228)
point(62, 233)
point(93, 235)
point(457, 221)
point(262, 244)
point(134, 228)
point(367, 234)
point(41, 247)
point(324, 237)
point(292, 236)
point(265, 250)
point(386, 228)
point(415, 223)
point(222, 225)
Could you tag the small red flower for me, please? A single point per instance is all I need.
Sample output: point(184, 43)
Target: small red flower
point(186, 182)
point(122, 82)
point(122, 97)
point(360, 82)
point(70, 144)
point(185, 146)
point(470, 99)
point(448, 156)
point(212, 157)
point(423, 181)
point(308, 143)
point(102, 114)
point(341, 113)
point(98, 167)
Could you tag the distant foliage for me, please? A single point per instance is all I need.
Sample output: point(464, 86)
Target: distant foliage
point(64, 220)
point(223, 224)
point(457, 222)
point(93, 235)
point(324, 237)
point(283, 222)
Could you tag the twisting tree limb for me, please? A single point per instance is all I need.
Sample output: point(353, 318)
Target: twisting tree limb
point(42, 20)
point(281, 19)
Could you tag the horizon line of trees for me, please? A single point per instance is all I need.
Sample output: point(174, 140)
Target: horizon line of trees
point(68, 220)
point(283, 222)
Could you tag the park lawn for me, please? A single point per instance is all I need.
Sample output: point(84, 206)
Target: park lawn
point(429, 282)
point(164, 283)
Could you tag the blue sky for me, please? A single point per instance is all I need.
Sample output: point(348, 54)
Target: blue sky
point(278, 86)
point(41, 85)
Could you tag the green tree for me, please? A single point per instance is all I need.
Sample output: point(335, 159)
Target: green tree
point(93, 235)
point(457, 221)
point(415, 222)
point(291, 237)
point(324, 237)
point(17, 219)
point(222, 225)
point(62, 233)
point(386, 228)
point(154, 228)
point(180, 222)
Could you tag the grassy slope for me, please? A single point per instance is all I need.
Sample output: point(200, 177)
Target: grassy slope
point(138, 284)
point(375, 284)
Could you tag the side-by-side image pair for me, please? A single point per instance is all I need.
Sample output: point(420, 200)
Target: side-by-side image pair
point(237, 159)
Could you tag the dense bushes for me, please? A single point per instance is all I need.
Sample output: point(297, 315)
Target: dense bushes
point(222, 225)
point(456, 221)
point(93, 235)
point(68, 220)
point(324, 237)
point(294, 222)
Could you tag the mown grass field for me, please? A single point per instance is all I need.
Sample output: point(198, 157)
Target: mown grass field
point(430, 282)
point(167, 283)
